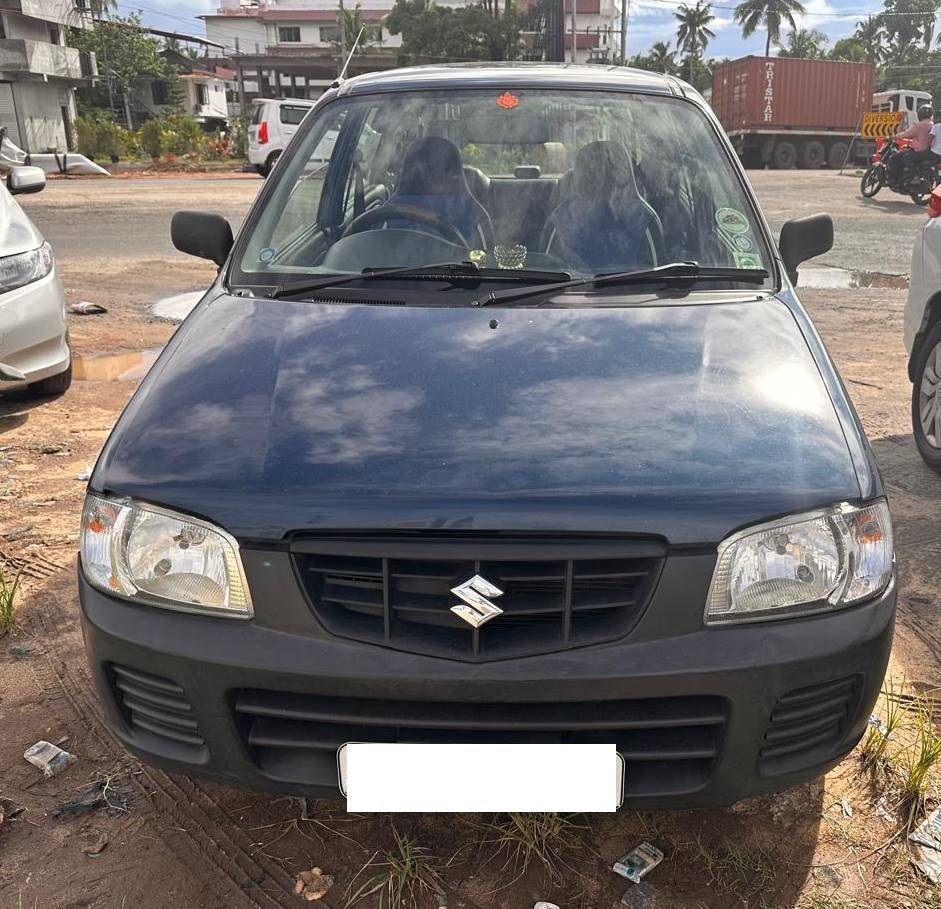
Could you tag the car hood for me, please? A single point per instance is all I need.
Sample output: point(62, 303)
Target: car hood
point(17, 233)
point(682, 421)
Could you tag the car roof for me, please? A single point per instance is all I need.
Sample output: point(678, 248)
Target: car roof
point(300, 102)
point(530, 75)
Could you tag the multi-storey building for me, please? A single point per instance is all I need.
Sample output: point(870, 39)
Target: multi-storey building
point(289, 48)
point(39, 74)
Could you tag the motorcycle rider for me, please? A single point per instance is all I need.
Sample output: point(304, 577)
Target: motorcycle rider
point(919, 135)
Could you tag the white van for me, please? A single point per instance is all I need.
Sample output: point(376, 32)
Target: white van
point(274, 121)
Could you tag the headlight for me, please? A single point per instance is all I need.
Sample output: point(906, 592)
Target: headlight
point(16, 271)
point(807, 563)
point(150, 555)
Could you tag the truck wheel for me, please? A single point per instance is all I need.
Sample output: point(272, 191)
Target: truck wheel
point(784, 156)
point(812, 155)
point(837, 155)
point(926, 400)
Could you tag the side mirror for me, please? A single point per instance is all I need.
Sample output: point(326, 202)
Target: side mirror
point(24, 180)
point(202, 234)
point(803, 239)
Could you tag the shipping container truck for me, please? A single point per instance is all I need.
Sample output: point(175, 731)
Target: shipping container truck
point(788, 112)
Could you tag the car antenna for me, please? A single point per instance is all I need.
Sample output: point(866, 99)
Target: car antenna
point(349, 57)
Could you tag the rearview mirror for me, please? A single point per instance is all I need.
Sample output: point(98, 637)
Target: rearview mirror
point(803, 239)
point(202, 234)
point(23, 180)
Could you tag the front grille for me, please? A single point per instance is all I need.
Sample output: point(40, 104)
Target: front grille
point(669, 745)
point(556, 593)
point(806, 724)
point(158, 712)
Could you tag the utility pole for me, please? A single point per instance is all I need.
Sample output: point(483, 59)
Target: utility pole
point(574, 55)
point(342, 36)
point(240, 76)
point(625, 13)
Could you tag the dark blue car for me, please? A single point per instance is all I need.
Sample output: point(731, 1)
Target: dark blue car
point(502, 423)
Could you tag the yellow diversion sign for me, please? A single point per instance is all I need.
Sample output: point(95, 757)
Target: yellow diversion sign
point(878, 125)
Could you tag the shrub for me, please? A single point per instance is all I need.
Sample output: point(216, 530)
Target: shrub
point(86, 130)
point(182, 135)
point(151, 138)
point(129, 142)
point(219, 147)
point(109, 139)
point(239, 136)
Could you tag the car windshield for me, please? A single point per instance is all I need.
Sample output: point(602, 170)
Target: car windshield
point(571, 181)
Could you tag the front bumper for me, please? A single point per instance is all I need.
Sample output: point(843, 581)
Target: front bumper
point(704, 718)
point(33, 329)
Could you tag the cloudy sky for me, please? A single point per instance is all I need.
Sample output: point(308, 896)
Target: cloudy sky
point(650, 20)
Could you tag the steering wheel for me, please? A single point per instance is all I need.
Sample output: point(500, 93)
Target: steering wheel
point(393, 211)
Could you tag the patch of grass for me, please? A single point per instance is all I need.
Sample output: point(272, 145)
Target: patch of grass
point(873, 751)
point(401, 876)
point(542, 837)
point(827, 901)
point(8, 593)
point(917, 760)
point(744, 871)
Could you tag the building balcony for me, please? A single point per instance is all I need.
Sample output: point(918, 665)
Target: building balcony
point(45, 60)
point(64, 12)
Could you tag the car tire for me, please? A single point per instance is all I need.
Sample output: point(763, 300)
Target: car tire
point(784, 156)
point(837, 155)
point(54, 385)
point(266, 168)
point(813, 156)
point(926, 387)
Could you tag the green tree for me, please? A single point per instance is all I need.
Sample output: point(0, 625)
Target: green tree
point(477, 32)
point(806, 43)
point(697, 72)
point(768, 14)
point(849, 50)
point(352, 22)
point(871, 34)
point(661, 58)
point(908, 26)
point(693, 32)
point(128, 56)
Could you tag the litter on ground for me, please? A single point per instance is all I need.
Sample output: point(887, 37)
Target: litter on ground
point(638, 862)
point(48, 758)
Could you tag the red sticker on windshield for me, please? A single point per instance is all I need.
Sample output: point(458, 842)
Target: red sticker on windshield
point(508, 101)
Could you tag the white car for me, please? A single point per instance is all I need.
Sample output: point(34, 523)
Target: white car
point(923, 336)
point(274, 122)
point(34, 342)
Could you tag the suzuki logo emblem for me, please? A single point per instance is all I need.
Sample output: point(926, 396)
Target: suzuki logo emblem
point(476, 609)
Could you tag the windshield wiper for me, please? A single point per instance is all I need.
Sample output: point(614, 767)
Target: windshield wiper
point(674, 272)
point(445, 271)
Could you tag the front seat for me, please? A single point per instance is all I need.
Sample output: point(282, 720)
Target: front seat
point(433, 178)
point(601, 223)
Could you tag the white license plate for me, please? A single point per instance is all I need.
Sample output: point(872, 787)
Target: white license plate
point(408, 776)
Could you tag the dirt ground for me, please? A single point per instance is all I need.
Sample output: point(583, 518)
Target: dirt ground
point(186, 844)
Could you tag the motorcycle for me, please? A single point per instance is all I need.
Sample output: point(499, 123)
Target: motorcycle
point(916, 183)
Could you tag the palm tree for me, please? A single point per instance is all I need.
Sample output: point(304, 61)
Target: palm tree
point(693, 32)
point(772, 14)
point(805, 43)
point(661, 59)
point(871, 34)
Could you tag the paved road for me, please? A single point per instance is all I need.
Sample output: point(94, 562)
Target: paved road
point(871, 235)
point(129, 218)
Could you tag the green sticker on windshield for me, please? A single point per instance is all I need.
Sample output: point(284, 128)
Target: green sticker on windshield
point(747, 260)
point(732, 221)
